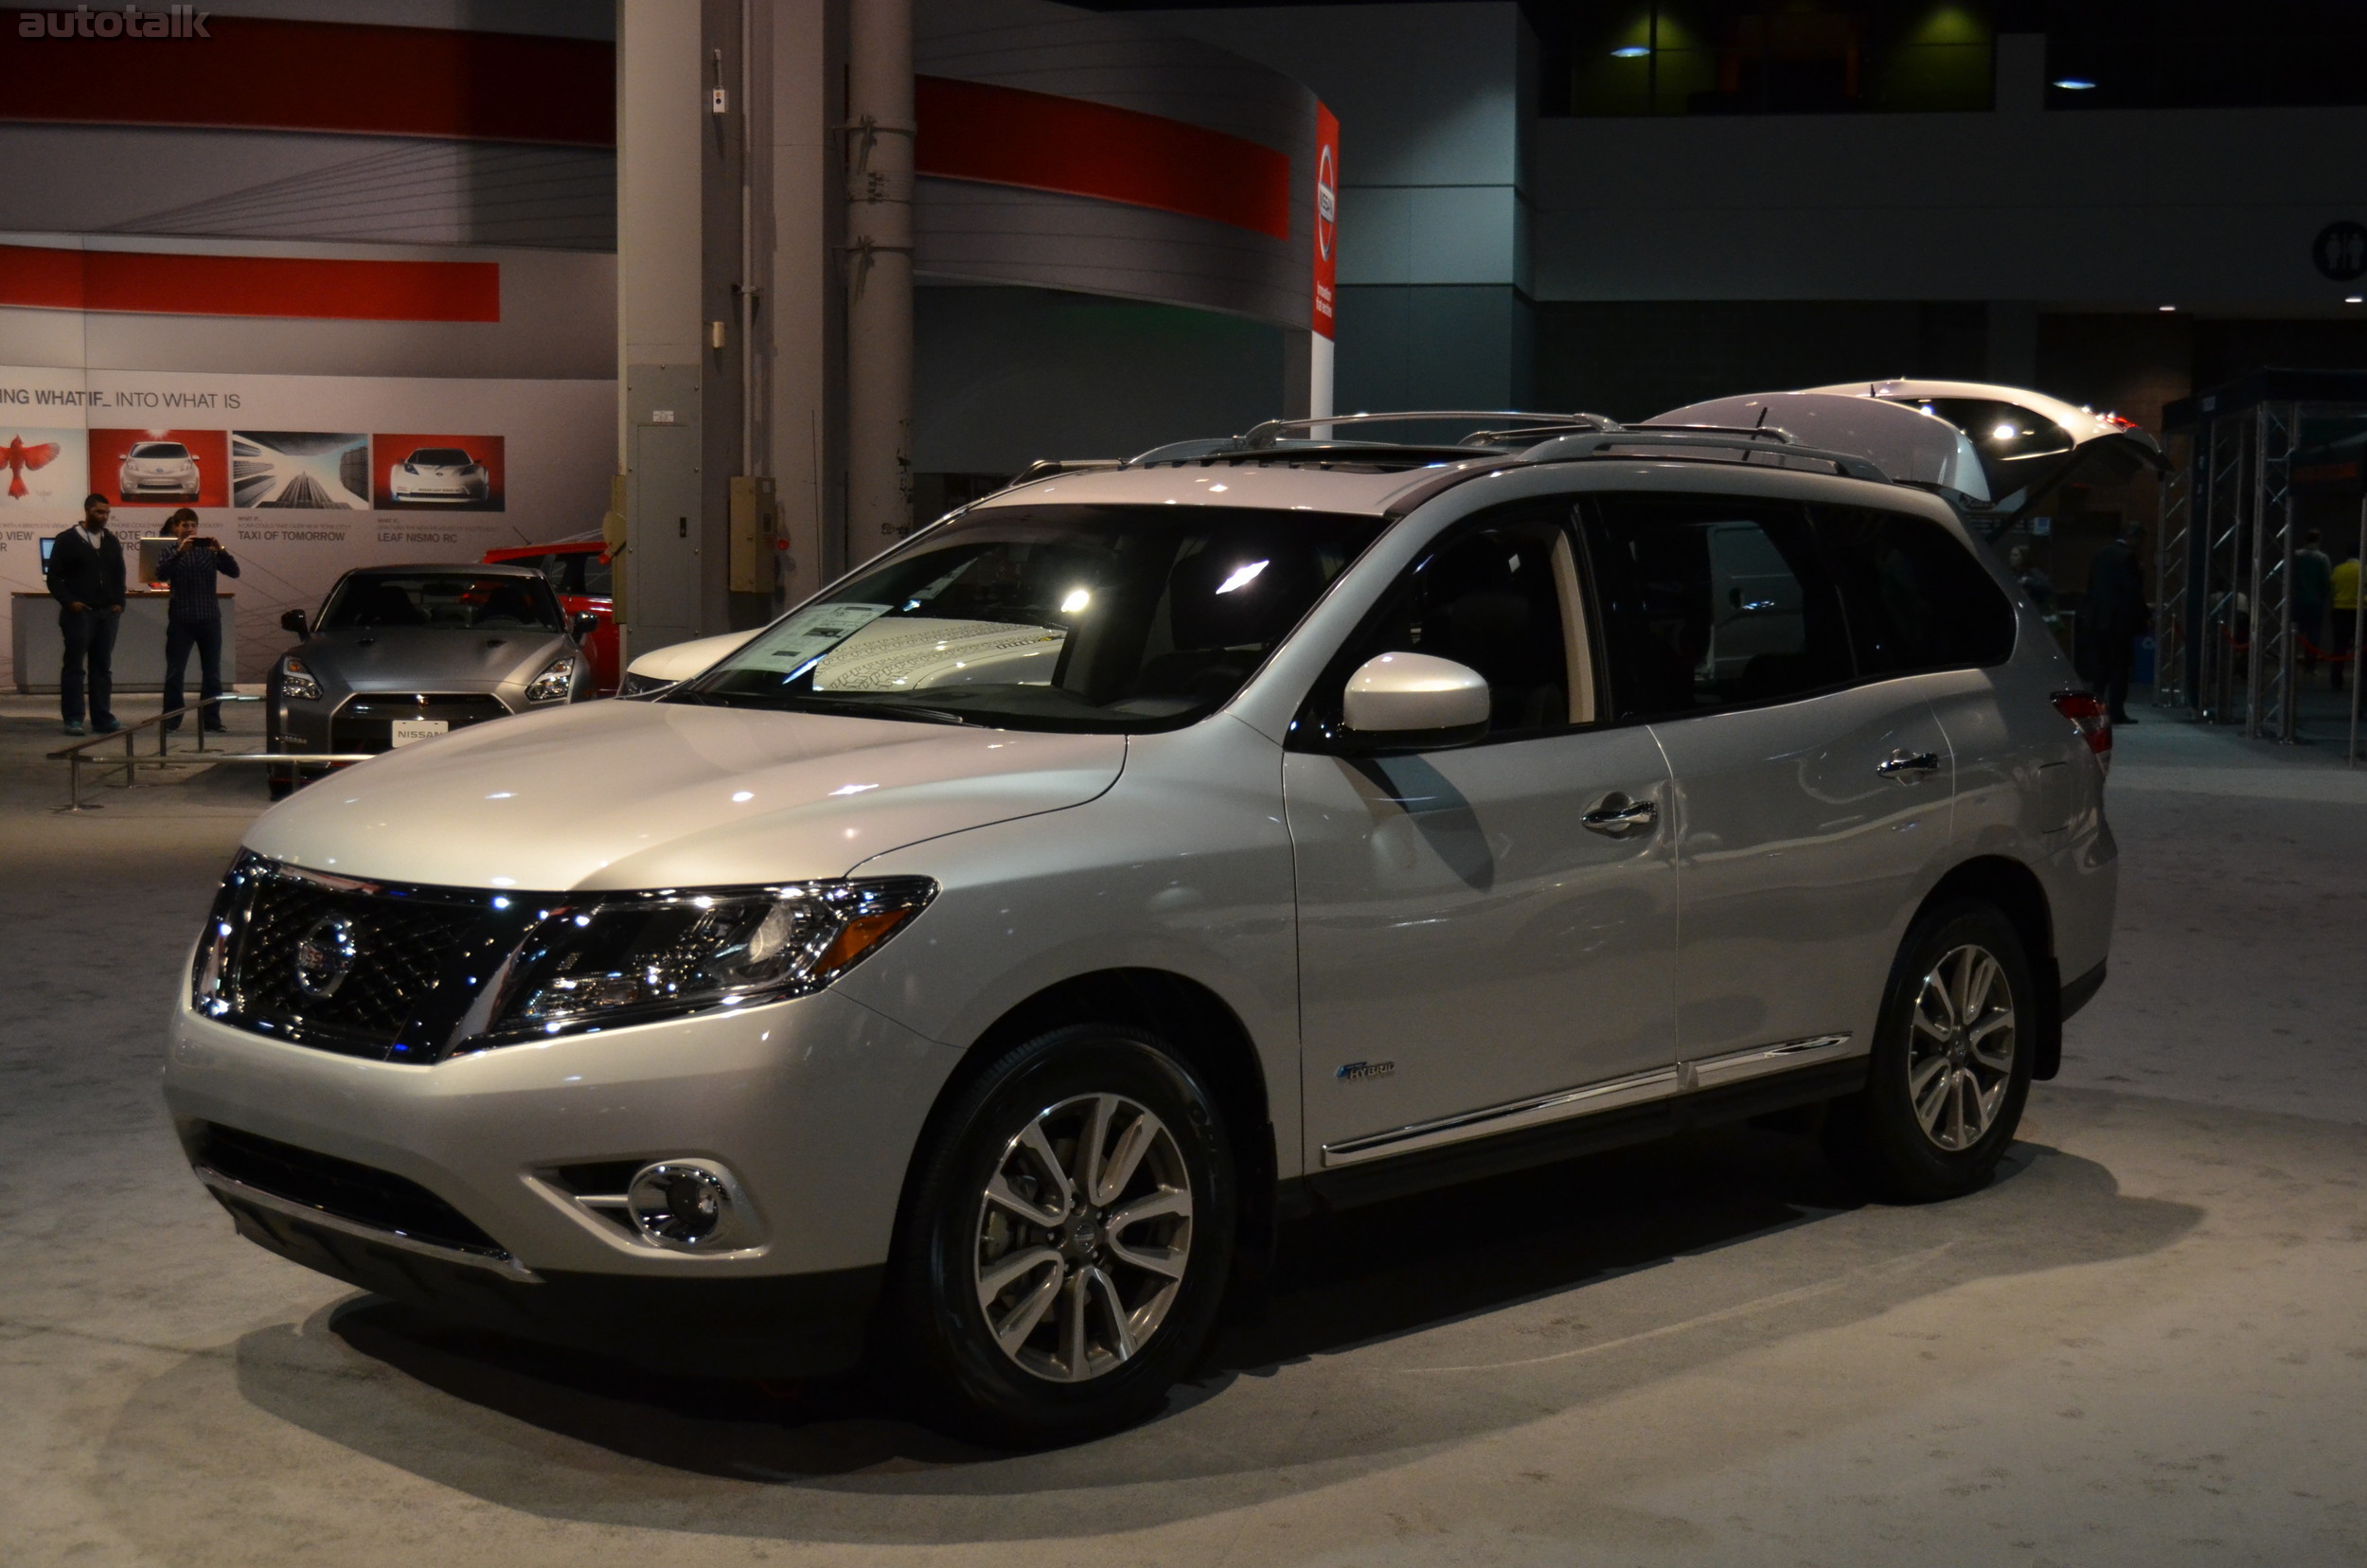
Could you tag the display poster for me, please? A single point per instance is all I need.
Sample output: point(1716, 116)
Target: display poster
point(301, 477)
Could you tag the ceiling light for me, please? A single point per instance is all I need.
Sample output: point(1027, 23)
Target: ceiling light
point(1629, 51)
point(2354, 299)
point(1076, 601)
point(2169, 307)
point(2074, 85)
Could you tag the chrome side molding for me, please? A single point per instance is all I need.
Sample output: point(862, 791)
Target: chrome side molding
point(1738, 1066)
point(1567, 1104)
point(500, 1263)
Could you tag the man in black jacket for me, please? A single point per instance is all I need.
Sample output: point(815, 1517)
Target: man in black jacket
point(2115, 615)
point(87, 580)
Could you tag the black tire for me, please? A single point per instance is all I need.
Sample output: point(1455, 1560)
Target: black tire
point(938, 1341)
point(1893, 1137)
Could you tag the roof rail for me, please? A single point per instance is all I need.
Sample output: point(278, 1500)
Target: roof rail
point(1045, 468)
point(1673, 443)
point(1270, 431)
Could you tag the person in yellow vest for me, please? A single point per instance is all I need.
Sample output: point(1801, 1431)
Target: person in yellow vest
point(2345, 581)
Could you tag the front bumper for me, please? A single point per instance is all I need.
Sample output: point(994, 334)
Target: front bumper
point(158, 484)
point(814, 1105)
point(365, 721)
point(434, 490)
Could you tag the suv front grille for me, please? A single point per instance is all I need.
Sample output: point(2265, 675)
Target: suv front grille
point(326, 962)
point(361, 1193)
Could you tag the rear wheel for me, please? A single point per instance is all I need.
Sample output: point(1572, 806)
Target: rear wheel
point(1067, 1241)
point(1951, 1061)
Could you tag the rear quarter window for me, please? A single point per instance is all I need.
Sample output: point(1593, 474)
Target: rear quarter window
point(1916, 596)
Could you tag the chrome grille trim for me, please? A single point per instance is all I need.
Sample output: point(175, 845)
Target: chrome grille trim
point(498, 1262)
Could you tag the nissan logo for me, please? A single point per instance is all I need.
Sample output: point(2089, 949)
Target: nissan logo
point(325, 956)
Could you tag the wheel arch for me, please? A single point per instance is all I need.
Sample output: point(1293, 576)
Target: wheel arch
point(1190, 1017)
point(2014, 890)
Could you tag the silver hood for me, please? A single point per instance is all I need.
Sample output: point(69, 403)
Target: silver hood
point(612, 794)
point(411, 658)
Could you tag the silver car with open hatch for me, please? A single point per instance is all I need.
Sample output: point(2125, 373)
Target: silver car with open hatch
point(973, 972)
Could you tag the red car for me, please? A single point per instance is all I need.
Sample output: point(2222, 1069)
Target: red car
point(580, 573)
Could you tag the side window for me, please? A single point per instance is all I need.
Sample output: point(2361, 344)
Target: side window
point(598, 577)
point(1916, 598)
point(1501, 597)
point(1712, 602)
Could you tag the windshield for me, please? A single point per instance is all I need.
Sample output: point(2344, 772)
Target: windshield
point(160, 448)
point(459, 601)
point(1053, 617)
point(440, 457)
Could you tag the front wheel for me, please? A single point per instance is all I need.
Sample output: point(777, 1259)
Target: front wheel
point(1950, 1067)
point(1066, 1242)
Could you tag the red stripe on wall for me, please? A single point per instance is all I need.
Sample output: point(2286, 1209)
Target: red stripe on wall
point(171, 283)
point(1006, 136)
point(258, 73)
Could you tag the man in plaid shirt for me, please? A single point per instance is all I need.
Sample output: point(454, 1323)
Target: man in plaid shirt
point(194, 618)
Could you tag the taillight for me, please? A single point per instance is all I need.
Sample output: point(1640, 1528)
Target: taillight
point(2086, 712)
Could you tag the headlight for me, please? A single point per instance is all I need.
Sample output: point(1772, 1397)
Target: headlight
point(635, 957)
point(554, 682)
point(296, 682)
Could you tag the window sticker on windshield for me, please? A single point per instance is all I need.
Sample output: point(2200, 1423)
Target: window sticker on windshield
point(912, 651)
point(814, 631)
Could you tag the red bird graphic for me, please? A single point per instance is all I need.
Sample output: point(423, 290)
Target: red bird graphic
point(17, 457)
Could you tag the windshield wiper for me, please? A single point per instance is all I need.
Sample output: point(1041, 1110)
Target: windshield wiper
point(852, 709)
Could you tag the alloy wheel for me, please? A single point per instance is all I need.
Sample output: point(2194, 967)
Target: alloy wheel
point(1085, 1233)
point(1960, 1050)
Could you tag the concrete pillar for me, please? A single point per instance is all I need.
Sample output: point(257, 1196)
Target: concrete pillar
point(878, 260)
point(679, 161)
point(799, 341)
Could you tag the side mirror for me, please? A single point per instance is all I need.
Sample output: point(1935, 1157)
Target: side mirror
point(582, 627)
point(293, 620)
point(1413, 701)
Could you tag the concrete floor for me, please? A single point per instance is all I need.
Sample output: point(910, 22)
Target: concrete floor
point(2146, 1344)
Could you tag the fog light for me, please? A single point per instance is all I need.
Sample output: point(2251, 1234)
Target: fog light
point(678, 1204)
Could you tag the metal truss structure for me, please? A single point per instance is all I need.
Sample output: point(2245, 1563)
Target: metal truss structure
point(2225, 642)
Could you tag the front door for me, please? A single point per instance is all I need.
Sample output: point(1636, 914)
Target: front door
point(1810, 806)
point(1468, 943)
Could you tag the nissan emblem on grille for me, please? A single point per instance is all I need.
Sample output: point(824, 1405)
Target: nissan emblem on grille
point(325, 956)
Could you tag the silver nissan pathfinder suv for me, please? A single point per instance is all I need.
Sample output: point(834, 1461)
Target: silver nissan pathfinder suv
point(971, 971)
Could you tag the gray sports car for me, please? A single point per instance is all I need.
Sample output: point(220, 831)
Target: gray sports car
point(406, 654)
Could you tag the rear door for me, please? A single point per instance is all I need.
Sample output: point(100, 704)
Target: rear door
point(1810, 806)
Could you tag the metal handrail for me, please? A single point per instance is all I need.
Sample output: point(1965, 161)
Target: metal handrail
point(72, 756)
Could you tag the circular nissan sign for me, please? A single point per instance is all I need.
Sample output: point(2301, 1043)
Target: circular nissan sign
point(2341, 251)
point(1326, 202)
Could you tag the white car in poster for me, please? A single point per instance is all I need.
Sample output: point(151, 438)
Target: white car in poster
point(158, 469)
point(438, 475)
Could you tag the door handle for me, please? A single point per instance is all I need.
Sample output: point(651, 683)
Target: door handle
point(1616, 816)
point(1906, 766)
